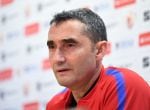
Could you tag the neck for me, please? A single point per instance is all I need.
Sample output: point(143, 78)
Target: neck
point(86, 88)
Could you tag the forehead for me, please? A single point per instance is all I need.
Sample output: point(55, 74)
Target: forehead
point(63, 30)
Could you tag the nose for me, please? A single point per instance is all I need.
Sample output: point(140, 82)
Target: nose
point(58, 57)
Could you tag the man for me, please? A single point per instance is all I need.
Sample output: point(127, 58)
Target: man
point(77, 43)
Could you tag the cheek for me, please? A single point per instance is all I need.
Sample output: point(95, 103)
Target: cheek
point(83, 62)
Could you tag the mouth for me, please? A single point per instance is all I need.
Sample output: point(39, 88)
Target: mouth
point(63, 70)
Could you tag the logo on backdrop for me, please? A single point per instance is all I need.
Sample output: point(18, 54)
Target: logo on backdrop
point(31, 29)
point(13, 35)
point(144, 39)
point(31, 106)
point(3, 19)
point(102, 6)
point(47, 4)
point(30, 69)
point(124, 44)
point(27, 10)
point(6, 74)
point(130, 19)
point(43, 85)
point(5, 2)
point(8, 55)
point(1, 38)
point(46, 64)
point(26, 89)
point(7, 94)
point(8, 17)
point(146, 61)
point(32, 48)
point(146, 15)
point(2, 95)
point(122, 3)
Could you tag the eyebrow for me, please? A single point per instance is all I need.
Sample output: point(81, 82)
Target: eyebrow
point(69, 40)
point(50, 42)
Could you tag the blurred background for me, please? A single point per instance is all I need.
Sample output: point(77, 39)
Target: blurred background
point(26, 79)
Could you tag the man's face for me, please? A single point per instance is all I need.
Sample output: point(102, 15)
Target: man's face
point(72, 54)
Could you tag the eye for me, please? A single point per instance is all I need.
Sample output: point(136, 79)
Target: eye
point(70, 44)
point(50, 44)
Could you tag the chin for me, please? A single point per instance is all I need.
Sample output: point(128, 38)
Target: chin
point(65, 84)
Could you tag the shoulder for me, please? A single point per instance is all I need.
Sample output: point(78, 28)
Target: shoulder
point(126, 84)
point(58, 100)
point(129, 80)
point(127, 75)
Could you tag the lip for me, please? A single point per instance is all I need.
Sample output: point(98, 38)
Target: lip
point(62, 71)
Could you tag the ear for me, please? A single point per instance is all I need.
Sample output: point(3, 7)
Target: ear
point(101, 47)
